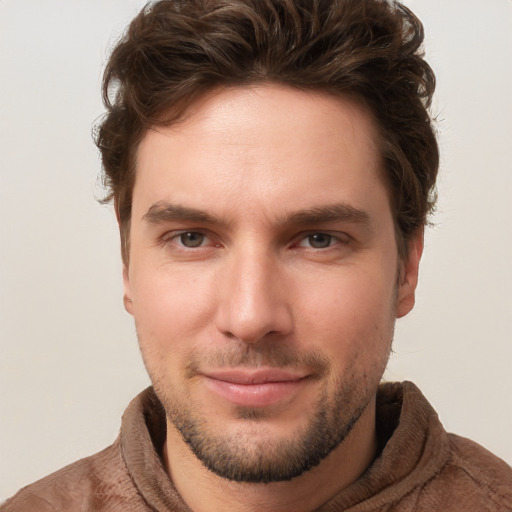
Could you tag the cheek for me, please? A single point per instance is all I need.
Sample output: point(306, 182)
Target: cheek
point(351, 315)
point(169, 307)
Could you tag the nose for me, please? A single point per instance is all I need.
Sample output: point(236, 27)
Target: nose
point(254, 302)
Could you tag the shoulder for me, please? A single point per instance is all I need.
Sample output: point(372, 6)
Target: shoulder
point(99, 482)
point(471, 479)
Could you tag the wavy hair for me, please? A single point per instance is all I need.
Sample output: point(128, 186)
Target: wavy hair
point(370, 50)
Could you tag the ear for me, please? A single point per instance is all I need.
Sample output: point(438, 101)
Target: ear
point(116, 210)
point(408, 277)
point(127, 297)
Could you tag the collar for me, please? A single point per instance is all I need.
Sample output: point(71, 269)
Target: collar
point(414, 447)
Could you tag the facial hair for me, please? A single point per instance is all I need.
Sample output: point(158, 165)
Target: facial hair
point(249, 454)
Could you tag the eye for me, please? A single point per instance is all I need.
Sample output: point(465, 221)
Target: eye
point(189, 244)
point(192, 239)
point(318, 241)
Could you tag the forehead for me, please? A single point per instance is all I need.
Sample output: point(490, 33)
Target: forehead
point(263, 147)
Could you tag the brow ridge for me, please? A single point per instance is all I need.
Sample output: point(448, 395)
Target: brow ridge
point(338, 212)
point(163, 211)
point(166, 212)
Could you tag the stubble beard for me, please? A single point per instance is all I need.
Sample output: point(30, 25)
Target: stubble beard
point(249, 453)
point(252, 458)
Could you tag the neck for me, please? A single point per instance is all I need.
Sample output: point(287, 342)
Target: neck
point(203, 491)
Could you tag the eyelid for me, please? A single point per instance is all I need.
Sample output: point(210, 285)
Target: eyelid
point(339, 236)
point(173, 235)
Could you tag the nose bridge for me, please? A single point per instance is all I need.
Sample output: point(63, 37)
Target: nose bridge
point(253, 303)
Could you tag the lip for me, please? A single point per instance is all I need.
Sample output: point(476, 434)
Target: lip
point(254, 388)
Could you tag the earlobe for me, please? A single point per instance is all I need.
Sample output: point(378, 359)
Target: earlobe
point(127, 297)
point(409, 276)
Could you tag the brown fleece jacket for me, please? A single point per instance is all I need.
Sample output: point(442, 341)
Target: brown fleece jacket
point(420, 468)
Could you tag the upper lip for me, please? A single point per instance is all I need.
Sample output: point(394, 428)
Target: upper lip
point(249, 376)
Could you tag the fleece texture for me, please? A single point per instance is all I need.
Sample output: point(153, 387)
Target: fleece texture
point(419, 467)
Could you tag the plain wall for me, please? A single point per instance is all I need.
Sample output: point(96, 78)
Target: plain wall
point(69, 361)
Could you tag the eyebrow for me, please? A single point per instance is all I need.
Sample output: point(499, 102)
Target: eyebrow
point(168, 212)
point(339, 212)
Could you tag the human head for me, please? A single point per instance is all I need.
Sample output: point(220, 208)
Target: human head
point(370, 50)
point(263, 280)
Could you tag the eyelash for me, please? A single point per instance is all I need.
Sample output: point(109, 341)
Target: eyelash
point(176, 236)
point(333, 240)
point(336, 239)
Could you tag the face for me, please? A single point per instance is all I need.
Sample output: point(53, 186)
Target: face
point(263, 276)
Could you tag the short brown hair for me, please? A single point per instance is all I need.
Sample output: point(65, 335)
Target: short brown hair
point(371, 50)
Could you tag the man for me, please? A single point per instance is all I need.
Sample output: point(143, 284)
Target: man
point(272, 165)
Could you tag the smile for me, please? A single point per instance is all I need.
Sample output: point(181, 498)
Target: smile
point(257, 388)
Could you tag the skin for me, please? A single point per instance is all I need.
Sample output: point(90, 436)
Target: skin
point(290, 263)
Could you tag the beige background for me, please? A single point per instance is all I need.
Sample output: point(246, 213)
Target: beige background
point(69, 360)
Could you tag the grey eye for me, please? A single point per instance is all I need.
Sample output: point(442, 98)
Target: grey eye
point(319, 240)
point(192, 239)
